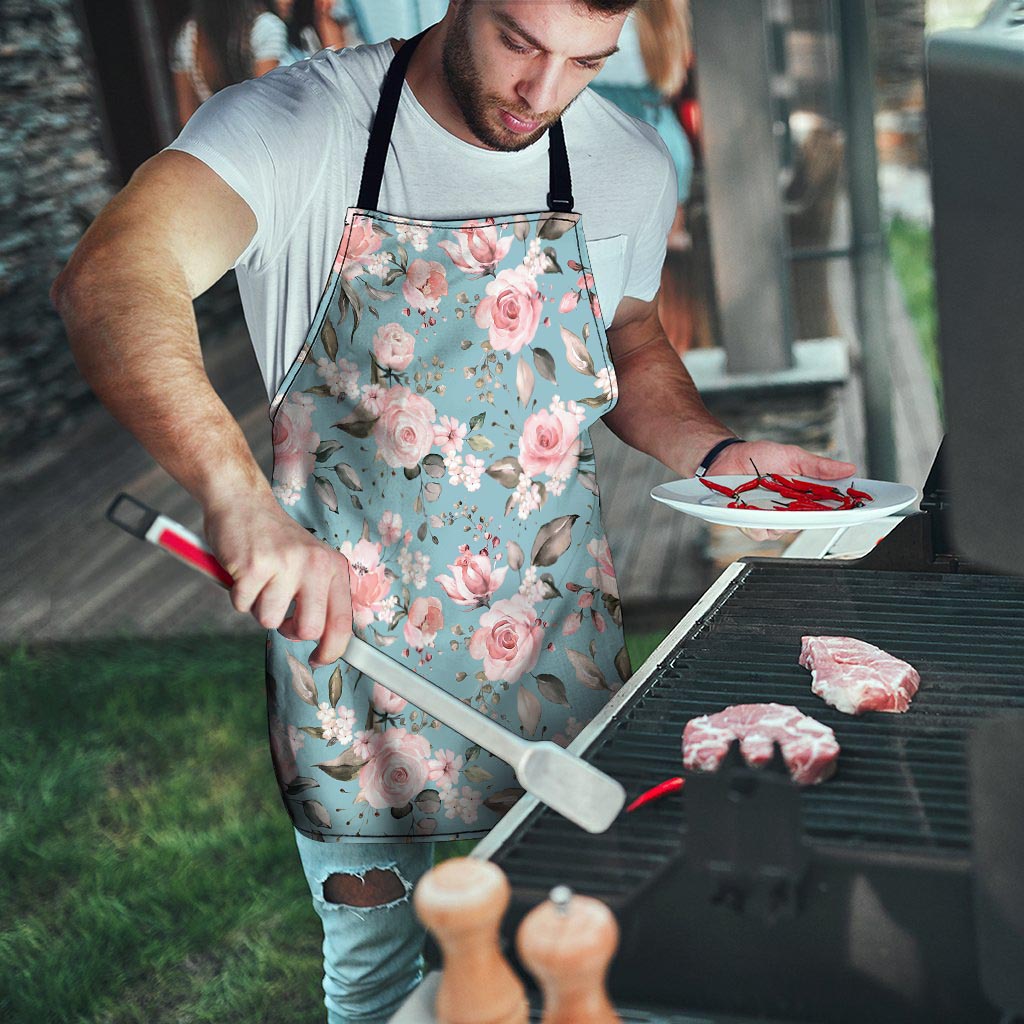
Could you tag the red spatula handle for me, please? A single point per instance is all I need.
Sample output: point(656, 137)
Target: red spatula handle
point(147, 524)
point(180, 543)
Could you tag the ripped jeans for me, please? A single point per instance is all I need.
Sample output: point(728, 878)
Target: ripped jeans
point(373, 943)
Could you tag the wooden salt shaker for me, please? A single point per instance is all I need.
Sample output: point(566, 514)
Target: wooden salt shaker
point(462, 901)
point(567, 943)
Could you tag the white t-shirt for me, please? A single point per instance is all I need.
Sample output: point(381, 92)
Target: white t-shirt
point(292, 144)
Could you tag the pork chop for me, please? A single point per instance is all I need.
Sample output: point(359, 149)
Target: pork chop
point(809, 748)
point(855, 677)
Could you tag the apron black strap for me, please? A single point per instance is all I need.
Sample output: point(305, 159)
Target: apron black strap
point(560, 184)
point(560, 194)
point(383, 123)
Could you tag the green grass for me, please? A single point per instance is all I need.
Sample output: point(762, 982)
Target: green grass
point(910, 246)
point(147, 867)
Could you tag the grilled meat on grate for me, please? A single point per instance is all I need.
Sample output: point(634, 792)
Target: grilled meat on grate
point(854, 676)
point(809, 748)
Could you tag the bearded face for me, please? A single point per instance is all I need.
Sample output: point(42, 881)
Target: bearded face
point(513, 68)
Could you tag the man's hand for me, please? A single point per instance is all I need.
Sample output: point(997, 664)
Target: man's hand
point(771, 457)
point(274, 561)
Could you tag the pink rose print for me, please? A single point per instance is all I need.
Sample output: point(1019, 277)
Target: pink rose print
point(508, 639)
point(423, 622)
point(389, 526)
point(365, 744)
point(368, 580)
point(386, 702)
point(359, 242)
point(472, 581)
point(444, 768)
point(477, 249)
point(397, 771)
point(295, 444)
point(511, 311)
point(569, 302)
point(404, 431)
point(550, 443)
point(393, 347)
point(374, 398)
point(449, 435)
point(462, 803)
point(425, 284)
point(602, 575)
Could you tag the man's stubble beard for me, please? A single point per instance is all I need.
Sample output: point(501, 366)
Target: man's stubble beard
point(464, 83)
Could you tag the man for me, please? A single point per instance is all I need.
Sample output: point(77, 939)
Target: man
point(432, 481)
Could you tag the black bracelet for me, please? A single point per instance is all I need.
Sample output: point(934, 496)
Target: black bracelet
point(705, 463)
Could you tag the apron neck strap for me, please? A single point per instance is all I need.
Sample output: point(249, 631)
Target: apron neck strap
point(559, 197)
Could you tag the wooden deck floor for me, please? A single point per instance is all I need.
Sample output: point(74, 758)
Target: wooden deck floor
point(70, 574)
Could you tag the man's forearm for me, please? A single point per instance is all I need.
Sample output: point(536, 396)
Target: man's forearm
point(133, 333)
point(660, 410)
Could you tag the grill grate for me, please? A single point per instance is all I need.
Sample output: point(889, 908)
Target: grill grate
point(902, 779)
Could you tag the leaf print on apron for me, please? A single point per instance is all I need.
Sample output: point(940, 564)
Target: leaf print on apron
point(434, 429)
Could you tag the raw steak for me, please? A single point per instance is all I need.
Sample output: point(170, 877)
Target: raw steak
point(809, 748)
point(855, 677)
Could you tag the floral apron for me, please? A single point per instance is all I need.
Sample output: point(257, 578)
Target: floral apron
point(434, 430)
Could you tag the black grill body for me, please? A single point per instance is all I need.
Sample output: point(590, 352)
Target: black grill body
point(746, 896)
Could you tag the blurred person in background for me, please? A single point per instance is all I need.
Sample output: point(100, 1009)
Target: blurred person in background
point(314, 25)
point(373, 21)
point(647, 74)
point(221, 43)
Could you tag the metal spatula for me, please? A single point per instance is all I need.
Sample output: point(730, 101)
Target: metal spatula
point(564, 782)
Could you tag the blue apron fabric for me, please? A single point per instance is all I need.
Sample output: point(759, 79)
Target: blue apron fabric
point(434, 430)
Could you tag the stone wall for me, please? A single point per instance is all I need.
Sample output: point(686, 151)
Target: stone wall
point(54, 178)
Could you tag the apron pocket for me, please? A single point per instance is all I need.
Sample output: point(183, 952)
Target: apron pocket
point(608, 265)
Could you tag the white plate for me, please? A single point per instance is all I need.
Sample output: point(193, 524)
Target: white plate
point(693, 498)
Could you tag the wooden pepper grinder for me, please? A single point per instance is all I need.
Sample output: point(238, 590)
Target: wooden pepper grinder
point(462, 901)
point(567, 943)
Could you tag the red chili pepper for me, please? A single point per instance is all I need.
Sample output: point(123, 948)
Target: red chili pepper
point(787, 492)
point(773, 485)
point(809, 487)
point(656, 793)
point(863, 495)
point(793, 485)
point(720, 488)
point(806, 505)
point(750, 485)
